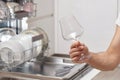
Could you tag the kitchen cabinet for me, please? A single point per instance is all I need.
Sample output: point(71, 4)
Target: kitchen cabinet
point(96, 16)
point(44, 19)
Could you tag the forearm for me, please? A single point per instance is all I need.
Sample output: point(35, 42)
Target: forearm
point(103, 61)
point(109, 59)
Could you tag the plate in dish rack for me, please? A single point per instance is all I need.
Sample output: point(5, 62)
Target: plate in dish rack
point(6, 34)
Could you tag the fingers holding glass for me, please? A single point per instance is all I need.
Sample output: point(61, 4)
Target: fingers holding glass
point(77, 57)
point(79, 53)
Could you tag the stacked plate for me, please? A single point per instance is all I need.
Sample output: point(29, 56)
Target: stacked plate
point(23, 47)
point(11, 52)
point(6, 34)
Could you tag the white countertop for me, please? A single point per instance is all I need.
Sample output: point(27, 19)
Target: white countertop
point(103, 75)
point(90, 75)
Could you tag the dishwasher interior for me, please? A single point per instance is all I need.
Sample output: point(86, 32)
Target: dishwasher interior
point(31, 62)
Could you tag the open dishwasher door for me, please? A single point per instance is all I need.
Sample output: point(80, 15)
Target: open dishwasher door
point(51, 68)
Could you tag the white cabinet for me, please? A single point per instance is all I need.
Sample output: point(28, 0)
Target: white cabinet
point(96, 16)
point(45, 19)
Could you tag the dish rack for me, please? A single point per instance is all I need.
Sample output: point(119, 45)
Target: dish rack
point(26, 55)
point(20, 48)
point(40, 66)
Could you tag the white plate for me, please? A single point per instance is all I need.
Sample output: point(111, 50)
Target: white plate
point(41, 44)
point(6, 34)
point(11, 51)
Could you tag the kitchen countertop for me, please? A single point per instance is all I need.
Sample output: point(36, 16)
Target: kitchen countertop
point(108, 75)
point(103, 75)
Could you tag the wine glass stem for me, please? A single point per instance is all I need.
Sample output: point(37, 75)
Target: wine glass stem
point(75, 39)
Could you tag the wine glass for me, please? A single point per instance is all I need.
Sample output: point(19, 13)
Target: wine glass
point(70, 28)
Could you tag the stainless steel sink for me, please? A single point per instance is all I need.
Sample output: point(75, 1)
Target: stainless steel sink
point(51, 68)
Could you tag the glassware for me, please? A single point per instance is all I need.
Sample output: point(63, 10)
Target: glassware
point(4, 11)
point(11, 5)
point(30, 7)
point(70, 28)
point(27, 6)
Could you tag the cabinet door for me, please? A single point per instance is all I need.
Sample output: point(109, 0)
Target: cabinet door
point(44, 7)
point(96, 16)
point(44, 19)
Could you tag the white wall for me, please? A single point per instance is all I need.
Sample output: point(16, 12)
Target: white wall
point(96, 16)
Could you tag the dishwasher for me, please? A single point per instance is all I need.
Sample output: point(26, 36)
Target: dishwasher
point(25, 57)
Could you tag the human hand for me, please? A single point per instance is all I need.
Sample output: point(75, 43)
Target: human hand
point(79, 53)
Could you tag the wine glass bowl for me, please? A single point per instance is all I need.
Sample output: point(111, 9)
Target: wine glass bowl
point(70, 28)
